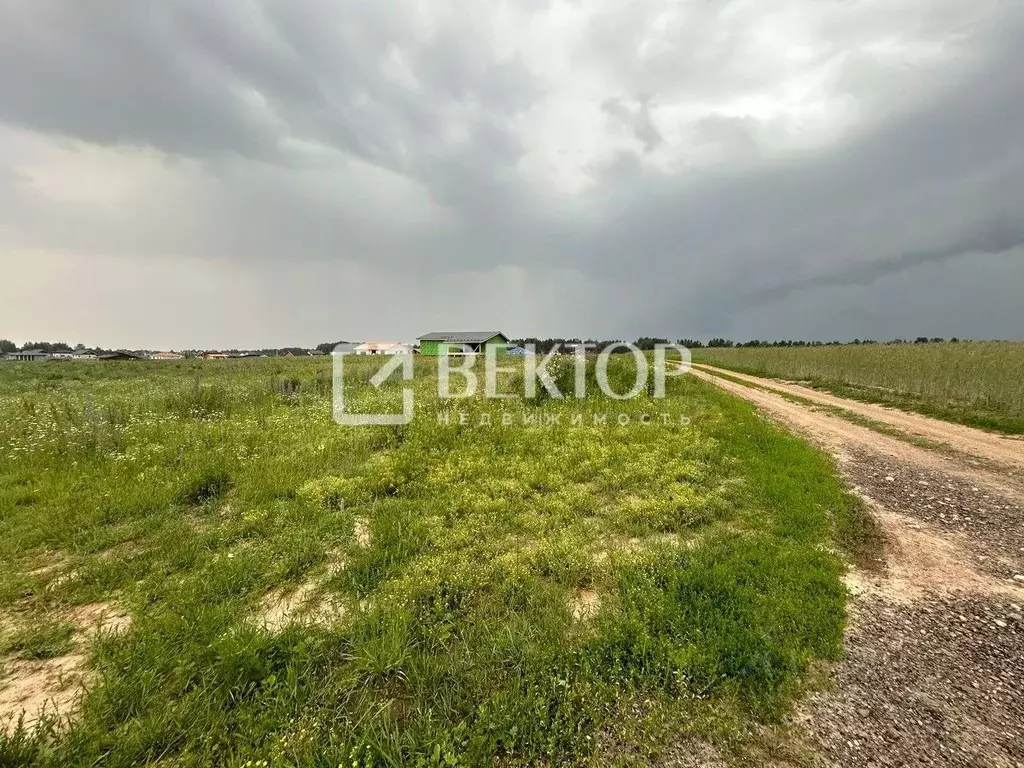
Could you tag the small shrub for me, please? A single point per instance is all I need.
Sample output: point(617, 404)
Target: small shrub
point(201, 401)
point(206, 486)
point(327, 492)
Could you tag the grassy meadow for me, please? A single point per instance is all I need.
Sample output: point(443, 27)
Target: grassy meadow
point(980, 384)
point(537, 589)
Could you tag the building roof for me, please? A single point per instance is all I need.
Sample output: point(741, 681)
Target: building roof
point(468, 337)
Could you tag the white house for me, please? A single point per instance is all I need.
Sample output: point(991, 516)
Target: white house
point(384, 348)
point(62, 354)
point(374, 347)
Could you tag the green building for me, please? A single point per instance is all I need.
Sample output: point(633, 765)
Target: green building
point(461, 342)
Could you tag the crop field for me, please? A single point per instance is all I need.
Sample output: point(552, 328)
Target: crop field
point(200, 567)
point(980, 384)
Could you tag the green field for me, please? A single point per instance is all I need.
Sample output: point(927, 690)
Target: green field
point(292, 592)
point(980, 384)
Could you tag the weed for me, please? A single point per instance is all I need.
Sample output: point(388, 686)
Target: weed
point(43, 640)
point(512, 594)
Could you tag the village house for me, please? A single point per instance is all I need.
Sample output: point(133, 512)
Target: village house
point(165, 356)
point(462, 342)
point(383, 348)
point(29, 355)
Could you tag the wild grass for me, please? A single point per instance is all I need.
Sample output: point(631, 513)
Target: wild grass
point(980, 384)
point(457, 550)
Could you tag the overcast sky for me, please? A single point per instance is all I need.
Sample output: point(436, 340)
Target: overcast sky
point(268, 172)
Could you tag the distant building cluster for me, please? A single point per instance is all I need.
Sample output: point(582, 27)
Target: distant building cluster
point(40, 355)
point(37, 355)
point(430, 344)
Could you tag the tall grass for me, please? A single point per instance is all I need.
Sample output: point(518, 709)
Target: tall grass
point(186, 494)
point(977, 383)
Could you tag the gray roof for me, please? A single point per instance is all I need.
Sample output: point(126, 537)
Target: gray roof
point(469, 337)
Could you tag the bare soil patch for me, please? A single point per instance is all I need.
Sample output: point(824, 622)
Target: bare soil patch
point(362, 532)
point(32, 688)
point(585, 605)
point(305, 604)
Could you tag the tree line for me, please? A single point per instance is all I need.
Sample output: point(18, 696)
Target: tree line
point(544, 346)
point(647, 343)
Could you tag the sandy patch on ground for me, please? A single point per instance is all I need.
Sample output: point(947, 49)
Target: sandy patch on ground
point(30, 688)
point(305, 604)
point(362, 532)
point(585, 605)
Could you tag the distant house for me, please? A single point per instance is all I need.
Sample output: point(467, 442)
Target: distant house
point(85, 354)
point(213, 356)
point(375, 347)
point(515, 351)
point(462, 342)
point(165, 356)
point(62, 354)
point(113, 357)
point(29, 355)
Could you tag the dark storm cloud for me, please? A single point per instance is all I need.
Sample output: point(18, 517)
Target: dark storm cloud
point(306, 131)
point(936, 181)
point(198, 78)
point(993, 239)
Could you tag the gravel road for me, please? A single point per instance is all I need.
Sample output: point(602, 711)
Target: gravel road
point(934, 670)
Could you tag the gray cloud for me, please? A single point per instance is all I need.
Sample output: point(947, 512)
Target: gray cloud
point(670, 172)
point(637, 119)
point(992, 239)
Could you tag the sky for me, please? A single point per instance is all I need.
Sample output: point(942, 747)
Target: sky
point(257, 173)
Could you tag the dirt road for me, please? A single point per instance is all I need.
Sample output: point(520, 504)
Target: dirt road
point(973, 442)
point(934, 673)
